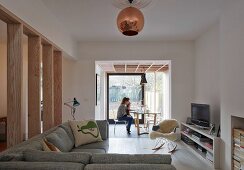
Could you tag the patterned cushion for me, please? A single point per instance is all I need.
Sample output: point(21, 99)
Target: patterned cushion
point(85, 132)
point(47, 146)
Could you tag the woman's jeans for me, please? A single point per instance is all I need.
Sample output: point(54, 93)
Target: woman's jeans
point(128, 119)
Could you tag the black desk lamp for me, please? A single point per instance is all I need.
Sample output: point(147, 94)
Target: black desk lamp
point(72, 107)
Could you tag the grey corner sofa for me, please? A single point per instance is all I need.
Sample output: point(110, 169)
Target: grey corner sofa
point(29, 155)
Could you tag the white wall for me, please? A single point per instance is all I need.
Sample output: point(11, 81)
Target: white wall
point(69, 75)
point(99, 109)
point(37, 15)
point(180, 53)
point(232, 69)
point(207, 72)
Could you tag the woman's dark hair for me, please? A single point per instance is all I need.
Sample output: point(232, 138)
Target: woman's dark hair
point(125, 99)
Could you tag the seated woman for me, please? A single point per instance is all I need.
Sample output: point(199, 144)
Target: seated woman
point(123, 111)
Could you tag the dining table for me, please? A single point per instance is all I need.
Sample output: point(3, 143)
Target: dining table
point(136, 118)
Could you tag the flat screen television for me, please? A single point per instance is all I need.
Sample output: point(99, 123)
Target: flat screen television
point(200, 114)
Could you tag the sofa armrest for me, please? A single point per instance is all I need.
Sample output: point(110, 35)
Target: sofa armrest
point(131, 159)
point(22, 165)
point(103, 128)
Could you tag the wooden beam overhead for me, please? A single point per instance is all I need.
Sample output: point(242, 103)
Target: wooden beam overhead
point(48, 94)
point(137, 68)
point(7, 16)
point(58, 102)
point(148, 68)
point(161, 68)
point(34, 86)
point(114, 69)
point(14, 82)
point(132, 68)
point(10, 18)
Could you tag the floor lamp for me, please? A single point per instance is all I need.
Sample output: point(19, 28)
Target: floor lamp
point(72, 106)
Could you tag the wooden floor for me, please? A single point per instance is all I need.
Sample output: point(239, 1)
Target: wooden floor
point(183, 159)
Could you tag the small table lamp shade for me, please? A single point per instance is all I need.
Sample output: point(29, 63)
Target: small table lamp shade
point(75, 103)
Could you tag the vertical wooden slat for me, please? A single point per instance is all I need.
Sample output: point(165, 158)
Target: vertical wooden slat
point(48, 94)
point(14, 81)
point(34, 86)
point(57, 60)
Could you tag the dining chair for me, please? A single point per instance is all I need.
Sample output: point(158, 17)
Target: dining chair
point(116, 121)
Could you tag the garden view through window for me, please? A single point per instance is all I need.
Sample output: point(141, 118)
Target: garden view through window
point(151, 95)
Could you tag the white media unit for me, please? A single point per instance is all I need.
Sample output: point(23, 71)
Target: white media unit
point(215, 150)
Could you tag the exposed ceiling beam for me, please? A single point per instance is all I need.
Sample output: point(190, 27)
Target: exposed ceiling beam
point(114, 68)
point(149, 67)
point(137, 68)
point(161, 68)
point(125, 67)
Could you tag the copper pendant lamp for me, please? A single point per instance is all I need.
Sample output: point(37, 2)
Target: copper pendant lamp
point(130, 21)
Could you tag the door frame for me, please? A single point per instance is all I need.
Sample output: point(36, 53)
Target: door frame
point(111, 121)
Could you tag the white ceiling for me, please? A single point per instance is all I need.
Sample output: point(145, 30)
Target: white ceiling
point(95, 20)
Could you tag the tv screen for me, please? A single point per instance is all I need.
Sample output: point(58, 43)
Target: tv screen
point(200, 114)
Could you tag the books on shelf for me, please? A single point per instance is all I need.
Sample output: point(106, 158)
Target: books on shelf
point(242, 141)
point(187, 140)
point(200, 148)
point(203, 144)
point(209, 145)
point(238, 149)
point(200, 137)
point(238, 153)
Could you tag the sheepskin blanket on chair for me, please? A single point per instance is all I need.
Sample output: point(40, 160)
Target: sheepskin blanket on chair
point(166, 130)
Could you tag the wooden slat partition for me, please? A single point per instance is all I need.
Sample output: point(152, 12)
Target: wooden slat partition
point(34, 86)
point(14, 81)
point(58, 102)
point(48, 81)
point(16, 28)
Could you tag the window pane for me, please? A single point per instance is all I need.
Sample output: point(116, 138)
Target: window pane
point(121, 86)
point(149, 92)
point(154, 91)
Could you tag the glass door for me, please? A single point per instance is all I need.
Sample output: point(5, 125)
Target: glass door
point(120, 86)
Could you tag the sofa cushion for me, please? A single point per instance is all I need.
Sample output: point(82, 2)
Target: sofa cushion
point(104, 128)
point(131, 159)
point(68, 129)
point(130, 167)
point(85, 131)
point(89, 150)
point(11, 157)
point(98, 145)
point(43, 156)
point(21, 165)
point(60, 139)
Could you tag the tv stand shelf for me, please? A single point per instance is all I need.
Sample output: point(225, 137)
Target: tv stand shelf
point(205, 132)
